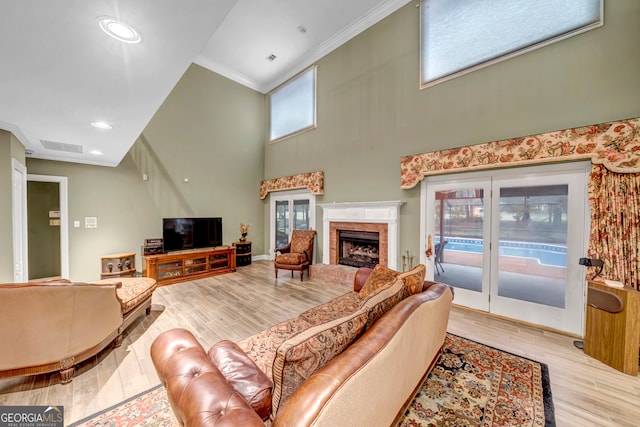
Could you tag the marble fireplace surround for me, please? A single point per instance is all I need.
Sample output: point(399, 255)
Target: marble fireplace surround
point(383, 217)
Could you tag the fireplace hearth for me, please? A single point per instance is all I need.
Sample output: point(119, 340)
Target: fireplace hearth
point(358, 248)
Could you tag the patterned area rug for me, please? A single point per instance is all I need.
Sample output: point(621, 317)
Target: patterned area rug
point(476, 385)
point(471, 385)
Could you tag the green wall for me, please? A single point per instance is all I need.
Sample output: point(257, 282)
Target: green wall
point(371, 111)
point(117, 197)
point(209, 131)
point(213, 132)
point(10, 148)
point(44, 239)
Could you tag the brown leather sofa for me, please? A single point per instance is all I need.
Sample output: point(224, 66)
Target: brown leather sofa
point(53, 326)
point(318, 375)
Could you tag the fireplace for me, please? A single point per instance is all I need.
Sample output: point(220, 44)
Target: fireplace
point(358, 248)
point(368, 218)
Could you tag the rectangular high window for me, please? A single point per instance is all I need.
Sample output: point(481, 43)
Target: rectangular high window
point(461, 36)
point(292, 106)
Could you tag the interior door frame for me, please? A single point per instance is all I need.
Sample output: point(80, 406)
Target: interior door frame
point(574, 276)
point(64, 217)
point(19, 221)
point(289, 195)
point(466, 297)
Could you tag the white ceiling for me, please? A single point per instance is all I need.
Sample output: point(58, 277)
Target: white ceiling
point(59, 71)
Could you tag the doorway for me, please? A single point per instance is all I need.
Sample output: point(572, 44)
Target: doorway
point(506, 240)
point(47, 225)
point(290, 210)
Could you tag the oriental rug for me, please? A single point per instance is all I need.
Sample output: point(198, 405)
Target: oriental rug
point(471, 385)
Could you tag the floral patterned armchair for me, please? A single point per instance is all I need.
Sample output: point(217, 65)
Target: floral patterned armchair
point(298, 254)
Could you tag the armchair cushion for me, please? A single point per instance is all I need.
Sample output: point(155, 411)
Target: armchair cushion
point(301, 240)
point(291, 258)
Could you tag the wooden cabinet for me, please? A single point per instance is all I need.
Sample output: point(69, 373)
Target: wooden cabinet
point(613, 337)
point(192, 264)
point(118, 265)
point(243, 253)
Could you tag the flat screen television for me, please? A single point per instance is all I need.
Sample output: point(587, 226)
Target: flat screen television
point(191, 233)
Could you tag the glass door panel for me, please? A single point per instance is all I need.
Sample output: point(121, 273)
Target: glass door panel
point(532, 259)
point(282, 223)
point(301, 214)
point(539, 228)
point(290, 210)
point(460, 232)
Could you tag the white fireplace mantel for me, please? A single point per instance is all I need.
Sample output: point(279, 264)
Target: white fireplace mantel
point(374, 212)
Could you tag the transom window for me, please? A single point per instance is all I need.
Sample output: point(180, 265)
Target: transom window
point(461, 36)
point(292, 106)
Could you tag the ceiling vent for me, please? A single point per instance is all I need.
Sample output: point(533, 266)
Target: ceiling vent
point(61, 146)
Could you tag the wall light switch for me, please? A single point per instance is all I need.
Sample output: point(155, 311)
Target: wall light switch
point(76, 224)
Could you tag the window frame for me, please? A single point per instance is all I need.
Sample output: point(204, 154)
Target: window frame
point(503, 57)
point(314, 125)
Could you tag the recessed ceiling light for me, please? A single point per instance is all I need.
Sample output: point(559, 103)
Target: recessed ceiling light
point(101, 125)
point(119, 30)
point(96, 152)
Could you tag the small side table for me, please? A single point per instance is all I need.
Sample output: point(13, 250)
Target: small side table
point(118, 265)
point(243, 253)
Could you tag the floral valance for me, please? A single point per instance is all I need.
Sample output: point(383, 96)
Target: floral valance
point(314, 181)
point(616, 145)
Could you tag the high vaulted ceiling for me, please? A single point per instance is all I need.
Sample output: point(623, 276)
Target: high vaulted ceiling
point(59, 71)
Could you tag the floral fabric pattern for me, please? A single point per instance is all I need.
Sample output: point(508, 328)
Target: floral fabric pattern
point(304, 354)
point(337, 307)
point(380, 277)
point(302, 240)
point(476, 385)
point(291, 258)
point(616, 145)
point(384, 300)
point(614, 199)
point(261, 348)
point(133, 291)
point(414, 279)
point(314, 181)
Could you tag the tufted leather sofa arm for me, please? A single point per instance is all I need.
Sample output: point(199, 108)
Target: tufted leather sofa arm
point(361, 278)
point(198, 392)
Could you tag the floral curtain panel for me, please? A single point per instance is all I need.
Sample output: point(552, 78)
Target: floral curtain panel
point(614, 199)
point(614, 184)
point(615, 145)
point(314, 181)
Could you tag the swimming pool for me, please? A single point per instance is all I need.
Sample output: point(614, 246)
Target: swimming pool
point(545, 254)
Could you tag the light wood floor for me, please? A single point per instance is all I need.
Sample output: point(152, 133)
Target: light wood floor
point(233, 306)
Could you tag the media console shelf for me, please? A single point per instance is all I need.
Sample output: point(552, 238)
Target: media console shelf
point(180, 266)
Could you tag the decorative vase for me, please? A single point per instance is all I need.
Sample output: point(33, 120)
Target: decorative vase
point(244, 237)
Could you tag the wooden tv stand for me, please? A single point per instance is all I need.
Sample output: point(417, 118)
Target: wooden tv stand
point(180, 266)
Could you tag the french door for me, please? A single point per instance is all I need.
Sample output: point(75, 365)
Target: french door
point(290, 210)
point(509, 241)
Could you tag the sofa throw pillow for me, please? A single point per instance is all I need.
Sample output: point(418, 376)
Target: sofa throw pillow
point(378, 304)
point(261, 347)
point(304, 354)
point(414, 279)
point(337, 307)
point(380, 276)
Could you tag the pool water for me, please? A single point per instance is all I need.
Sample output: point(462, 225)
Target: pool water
point(545, 254)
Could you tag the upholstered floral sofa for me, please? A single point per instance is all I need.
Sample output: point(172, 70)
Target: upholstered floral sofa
point(356, 360)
